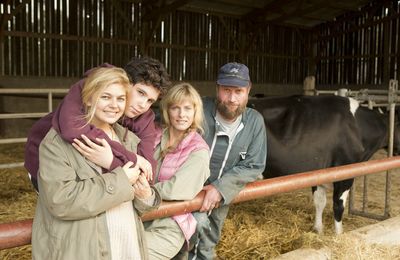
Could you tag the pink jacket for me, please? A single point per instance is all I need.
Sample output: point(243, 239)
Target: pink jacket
point(171, 163)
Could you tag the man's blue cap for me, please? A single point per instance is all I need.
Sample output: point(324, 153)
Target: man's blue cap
point(234, 74)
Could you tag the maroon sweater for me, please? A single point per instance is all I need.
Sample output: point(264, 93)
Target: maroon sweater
point(68, 120)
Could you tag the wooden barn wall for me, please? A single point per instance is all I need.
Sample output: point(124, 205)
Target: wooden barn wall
point(56, 38)
point(360, 48)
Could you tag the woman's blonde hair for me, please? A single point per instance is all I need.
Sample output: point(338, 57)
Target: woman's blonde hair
point(96, 82)
point(176, 95)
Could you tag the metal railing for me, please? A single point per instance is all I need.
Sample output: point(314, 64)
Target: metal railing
point(23, 91)
point(19, 233)
point(372, 98)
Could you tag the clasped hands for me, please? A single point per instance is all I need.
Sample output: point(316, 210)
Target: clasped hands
point(101, 154)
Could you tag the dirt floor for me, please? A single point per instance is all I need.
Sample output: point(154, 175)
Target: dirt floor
point(259, 229)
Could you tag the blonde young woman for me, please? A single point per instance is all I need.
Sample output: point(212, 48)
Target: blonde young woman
point(182, 168)
point(84, 212)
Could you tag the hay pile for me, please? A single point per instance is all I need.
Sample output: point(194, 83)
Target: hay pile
point(260, 229)
point(18, 199)
point(348, 246)
point(269, 227)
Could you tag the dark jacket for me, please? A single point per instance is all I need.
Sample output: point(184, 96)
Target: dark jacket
point(246, 156)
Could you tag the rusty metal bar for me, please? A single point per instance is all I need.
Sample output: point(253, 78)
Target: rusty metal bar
point(368, 215)
point(15, 234)
point(23, 115)
point(12, 237)
point(392, 98)
point(392, 95)
point(13, 140)
point(11, 165)
point(365, 194)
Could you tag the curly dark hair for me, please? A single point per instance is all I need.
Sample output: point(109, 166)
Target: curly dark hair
point(148, 71)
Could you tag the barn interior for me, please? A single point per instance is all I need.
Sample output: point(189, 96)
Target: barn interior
point(341, 44)
point(288, 45)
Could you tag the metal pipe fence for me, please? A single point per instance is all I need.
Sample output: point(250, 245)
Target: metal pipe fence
point(19, 233)
point(370, 98)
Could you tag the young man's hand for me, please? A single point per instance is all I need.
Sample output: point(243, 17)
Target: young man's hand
point(100, 154)
point(131, 172)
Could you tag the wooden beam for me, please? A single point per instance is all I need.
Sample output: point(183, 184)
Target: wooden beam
point(162, 9)
point(359, 27)
point(336, 25)
point(312, 52)
point(125, 19)
point(68, 37)
point(3, 22)
point(152, 16)
point(251, 37)
point(271, 8)
point(386, 53)
point(296, 11)
point(19, 7)
point(5, 17)
point(221, 19)
point(148, 29)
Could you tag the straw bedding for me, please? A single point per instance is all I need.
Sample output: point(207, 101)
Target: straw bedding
point(260, 229)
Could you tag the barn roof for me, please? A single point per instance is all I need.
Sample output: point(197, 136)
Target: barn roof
point(298, 13)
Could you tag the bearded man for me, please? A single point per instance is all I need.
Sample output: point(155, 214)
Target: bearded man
point(237, 139)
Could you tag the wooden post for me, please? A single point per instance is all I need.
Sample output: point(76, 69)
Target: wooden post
point(248, 35)
point(312, 55)
point(386, 53)
point(144, 45)
point(3, 21)
point(242, 42)
point(309, 86)
point(309, 81)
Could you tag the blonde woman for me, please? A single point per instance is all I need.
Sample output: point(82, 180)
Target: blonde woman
point(84, 212)
point(182, 168)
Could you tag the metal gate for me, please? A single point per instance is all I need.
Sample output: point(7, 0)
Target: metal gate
point(371, 98)
point(16, 91)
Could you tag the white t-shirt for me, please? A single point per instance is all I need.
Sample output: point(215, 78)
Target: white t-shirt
point(229, 128)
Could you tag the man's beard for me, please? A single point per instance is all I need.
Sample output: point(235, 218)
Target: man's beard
point(227, 113)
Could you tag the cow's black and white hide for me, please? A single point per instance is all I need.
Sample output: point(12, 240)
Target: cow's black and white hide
point(306, 133)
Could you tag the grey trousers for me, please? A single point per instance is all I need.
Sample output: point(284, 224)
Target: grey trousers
point(208, 233)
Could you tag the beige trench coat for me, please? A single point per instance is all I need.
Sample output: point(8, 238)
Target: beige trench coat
point(70, 219)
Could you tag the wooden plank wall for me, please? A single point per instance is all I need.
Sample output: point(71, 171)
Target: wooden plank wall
point(63, 38)
point(279, 56)
point(362, 48)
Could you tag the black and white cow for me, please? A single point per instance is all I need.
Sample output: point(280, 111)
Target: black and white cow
point(313, 132)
